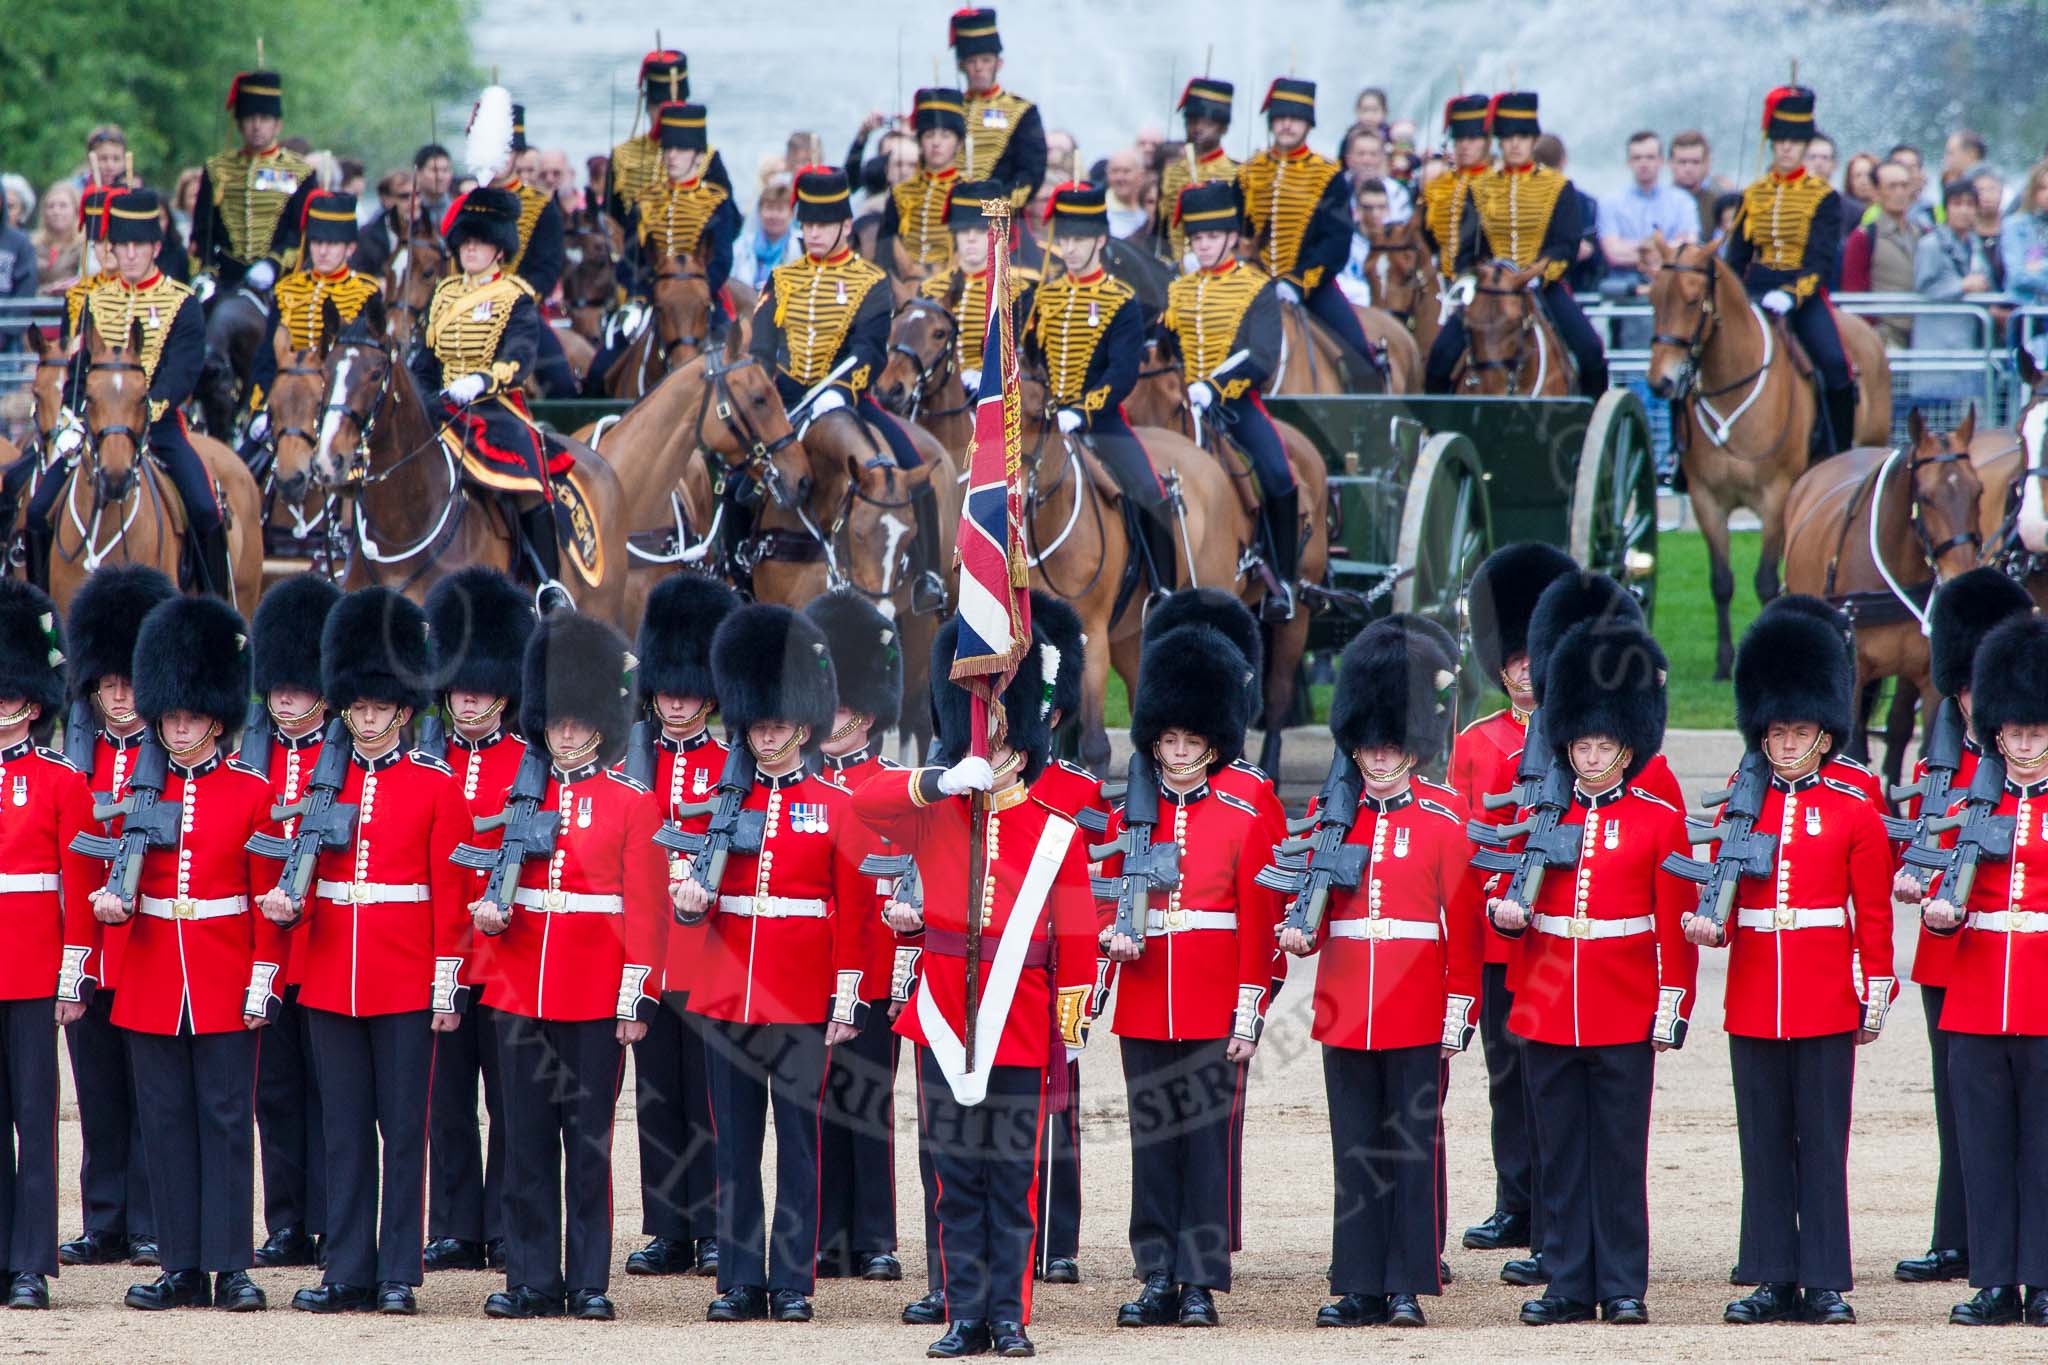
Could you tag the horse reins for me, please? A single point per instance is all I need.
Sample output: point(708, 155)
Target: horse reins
point(931, 376)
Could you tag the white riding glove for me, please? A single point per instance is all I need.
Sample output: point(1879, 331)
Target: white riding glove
point(259, 426)
point(1289, 292)
point(467, 389)
point(1778, 301)
point(971, 381)
point(203, 287)
point(1200, 395)
point(828, 401)
point(968, 775)
point(261, 276)
point(1070, 420)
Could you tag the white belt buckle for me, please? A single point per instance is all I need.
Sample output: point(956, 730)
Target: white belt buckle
point(182, 908)
point(553, 901)
point(1379, 928)
point(358, 893)
point(1784, 917)
point(1582, 926)
point(1176, 920)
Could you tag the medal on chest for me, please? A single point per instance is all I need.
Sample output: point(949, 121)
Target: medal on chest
point(1610, 835)
point(1400, 843)
point(1094, 314)
point(839, 288)
point(994, 118)
point(1812, 821)
point(807, 817)
point(482, 312)
point(20, 790)
point(700, 781)
point(273, 180)
point(583, 812)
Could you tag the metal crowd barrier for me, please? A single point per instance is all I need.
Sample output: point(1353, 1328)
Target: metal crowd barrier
point(17, 362)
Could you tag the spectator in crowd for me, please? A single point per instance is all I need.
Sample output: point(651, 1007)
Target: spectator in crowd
point(1401, 133)
point(526, 165)
point(106, 155)
point(17, 276)
point(1149, 140)
point(433, 178)
point(59, 241)
point(558, 179)
point(1948, 264)
point(767, 240)
point(802, 149)
point(1369, 110)
point(380, 238)
point(1364, 157)
point(1369, 210)
point(21, 198)
point(1691, 171)
point(354, 176)
point(1726, 206)
point(596, 168)
point(1429, 168)
point(1632, 215)
point(1879, 255)
point(1990, 189)
point(2023, 240)
point(1962, 156)
point(1820, 157)
point(1059, 155)
point(1859, 191)
point(1583, 275)
point(1127, 215)
point(184, 200)
point(1925, 209)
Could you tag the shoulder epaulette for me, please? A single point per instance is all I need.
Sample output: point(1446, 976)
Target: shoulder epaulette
point(1246, 766)
point(1076, 769)
point(57, 757)
point(1855, 765)
point(1844, 787)
point(1654, 798)
point(633, 784)
point(1437, 808)
point(242, 767)
point(889, 763)
point(843, 791)
point(1237, 803)
point(427, 760)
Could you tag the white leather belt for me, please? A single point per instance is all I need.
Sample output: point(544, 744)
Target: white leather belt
point(1585, 926)
point(773, 907)
point(1159, 923)
point(1791, 917)
point(2009, 921)
point(20, 883)
point(1383, 928)
point(372, 893)
point(568, 902)
point(220, 907)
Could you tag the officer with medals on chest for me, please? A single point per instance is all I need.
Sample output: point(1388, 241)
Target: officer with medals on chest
point(103, 737)
point(203, 969)
point(1205, 110)
point(684, 760)
point(1038, 969)
point(1005, 140)
point(299, 304)
point(963, 286)
point(481, 622)
point(283, 744)
point(635, 165)
point(384, 933)
point(911, 240)
point(1808, 980)
point(497, 138)
point(251, 200)
point(1447, 199)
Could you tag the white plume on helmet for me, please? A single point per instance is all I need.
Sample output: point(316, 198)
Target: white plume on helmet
point(488, 153)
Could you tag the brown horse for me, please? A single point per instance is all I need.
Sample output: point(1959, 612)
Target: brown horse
point(921, 381)
point(301, 531)
point(409, 280)
point(1871, 524)
point(118, 507)
point(1311, 359)
point(1511, 347)
point(1391, 336)
point(416, 518)
point(590, 281)
point(1749, 412)
point(677, 325)
point(2014, 514)
point(1404, 281)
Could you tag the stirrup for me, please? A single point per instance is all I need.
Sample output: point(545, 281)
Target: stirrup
point(1279, 604)
point(927, 593)
point(553, 594)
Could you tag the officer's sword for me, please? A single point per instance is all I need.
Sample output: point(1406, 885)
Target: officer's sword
point(803, 404)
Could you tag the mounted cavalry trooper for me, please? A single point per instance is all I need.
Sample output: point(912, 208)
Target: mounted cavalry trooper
point(636, 165)
point(963, 286)
point(1005, 139)
point(299, 305)
point(1038, 969)
point(1205, 110)
point(822, 328)
point(1448, 198)
point(1088, 329)
point(497, 137)
point(1808, 982)
point(914, 216)
point(251, 200)
point(779, 985)
point(1526, 215)
point(1788, 233)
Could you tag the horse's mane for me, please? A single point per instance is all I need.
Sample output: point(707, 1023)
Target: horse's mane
point(358, 330)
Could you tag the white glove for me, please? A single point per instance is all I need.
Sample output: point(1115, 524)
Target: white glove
point(259, 426)
point(1070, 420)
point(971, 380)
point(1778, 301)
point(203, 286)
point(1289, 293)
point(968, 775)
point(467, 389)
point(261, 276)
point(825, 402)
point(1201, 395)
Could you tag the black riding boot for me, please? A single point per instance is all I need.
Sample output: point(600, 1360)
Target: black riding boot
point(1841, 415)
point(1593, 381)
point(537, 525)
point(37, 540)
point(927, 588)
point(1283, 525)
point(210, 560)
point(1155, 526)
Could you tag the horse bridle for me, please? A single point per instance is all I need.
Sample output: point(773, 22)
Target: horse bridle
point(102, 488)
point(1512, 363)
point(933, 376)
point(670, 347)
point(1695, 346)
point(272, 436)
point(400, 305)
point(1971, 537)
point(1414, 278)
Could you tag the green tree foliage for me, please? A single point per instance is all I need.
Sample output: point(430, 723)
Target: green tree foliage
point(361, 76)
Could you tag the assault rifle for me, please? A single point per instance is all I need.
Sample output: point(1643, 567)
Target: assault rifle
point(1980, 833)
point(640, 753)
point(433, 737)
point(148, 821)
point(1147, 867)
point(255, 749)
point(1935, 787)
point(324, 821)
point(1547, 841)
point(529, 832)
point(901, 868)
point(1318, 857)
point(81, 733)
point(732, 829)
point(1744, 851)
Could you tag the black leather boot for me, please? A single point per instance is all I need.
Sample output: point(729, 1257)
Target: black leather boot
point(210, 564)
point(1157, 1304)
point(928, 1311)
point(965, 1337)
point(1938, 1264)
point(1770, 1303)
point(927, 587)
point(1841, 415)
point(1501, 1229)
point(1993, 1307)
point(1283, 526)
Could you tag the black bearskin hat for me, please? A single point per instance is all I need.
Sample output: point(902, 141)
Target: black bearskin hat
point(1608, 679)
point(1791, 666)
point(1821, 610)
point(1963, 612)
point(1221, 611)
point(31, 651)
point(284, 635)
point(1061, 628)
point(771, 663)
point(683, 612)
point(481, 621)
point(972, 32)
point(1578, 598)
point(1192, 677)
point(106, 616)
point(488, 214)
point(1503, 594)
point(1396, 685)
point(192, 654)
point(867, 655)
point(1026, 702)
point(377, 647)
point(577, 668)
point(2009, 685)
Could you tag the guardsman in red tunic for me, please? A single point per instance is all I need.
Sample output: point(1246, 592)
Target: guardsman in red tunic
point(574, 971)
point(46, 896)
point(1797, 1003)
point(481, 621)
point(1398, 989)
point(1608, 977)
point(1193, 984)
point(1996, 1010)
point(102, 736)
point(857, 1156)
point(282, 743)
point(384, 930)
point(1038, 969)
point(780, 983)
point(1501, 598)
point(1963, 612)
point(203, 969)
point(671, 1101)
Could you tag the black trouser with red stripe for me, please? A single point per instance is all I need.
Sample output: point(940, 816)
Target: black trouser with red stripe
point(1183, 1097)
point(672, 1107)
point(1385, 1106)
point(1590, 1107)
point(1792, 1120)
point(857, 1147)
point(196, 1096)
point(561, 1086)
point(376, 1072)
point(982, 1166)
point(1059, 1180)
point(2001, 1097)
point(113, 1176)
point(467, 1174)
point(288, 1124)
point(1951, 1210)
point(751, 1069)
point(28, 1106)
